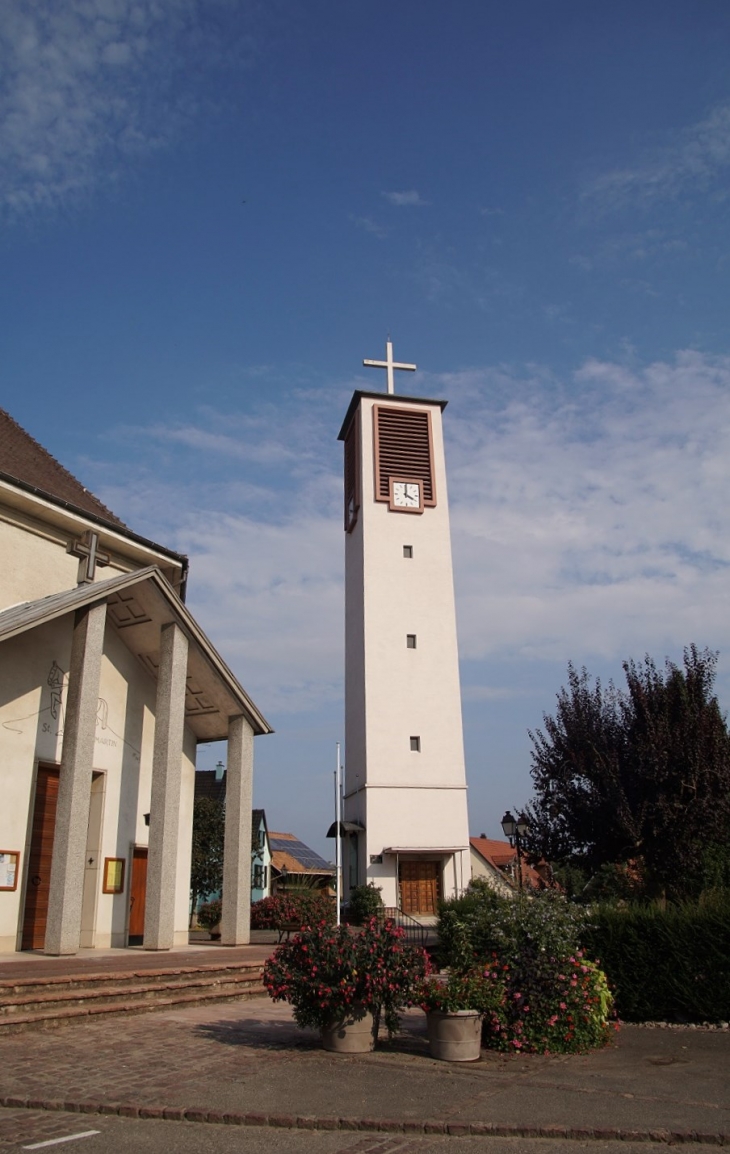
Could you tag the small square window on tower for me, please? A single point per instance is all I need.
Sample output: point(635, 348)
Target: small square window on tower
point(408, 551)
point(415, 745)
point(410, 641)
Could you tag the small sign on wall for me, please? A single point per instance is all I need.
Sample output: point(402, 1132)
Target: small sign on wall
point(9, 859)
point(113, 875)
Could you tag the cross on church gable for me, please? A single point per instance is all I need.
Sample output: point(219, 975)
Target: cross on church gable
point(87, 549)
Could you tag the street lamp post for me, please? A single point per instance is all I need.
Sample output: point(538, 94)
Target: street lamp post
point(514, 830)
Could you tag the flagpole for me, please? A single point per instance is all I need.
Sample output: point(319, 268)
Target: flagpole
point(338, 838)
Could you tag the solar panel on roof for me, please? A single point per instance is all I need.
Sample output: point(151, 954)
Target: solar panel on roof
point(306, 856)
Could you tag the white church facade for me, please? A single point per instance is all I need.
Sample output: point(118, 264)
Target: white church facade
point(107, 686)
point(405, 807)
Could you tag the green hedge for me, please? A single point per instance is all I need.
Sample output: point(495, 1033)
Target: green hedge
point(668, 964)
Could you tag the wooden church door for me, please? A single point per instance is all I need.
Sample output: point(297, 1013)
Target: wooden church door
point(419, 886)
point(138, 892)
point(37, 889)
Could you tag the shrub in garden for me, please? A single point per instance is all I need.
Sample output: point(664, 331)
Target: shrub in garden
point(326, 973)
point(555, 998)
point(668, 964)
point(365, 902)
point(209, 914)
point(284, 910)
point(563, 1008)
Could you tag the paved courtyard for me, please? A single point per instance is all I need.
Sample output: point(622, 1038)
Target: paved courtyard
point(247, 1064)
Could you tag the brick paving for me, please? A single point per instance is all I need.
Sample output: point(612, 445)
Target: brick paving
point(248, 1064)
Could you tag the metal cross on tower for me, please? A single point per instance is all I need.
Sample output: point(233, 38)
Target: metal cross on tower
point(389, 365)
point(89, 554)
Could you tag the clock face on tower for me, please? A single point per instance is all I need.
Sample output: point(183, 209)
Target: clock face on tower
point(406, 496)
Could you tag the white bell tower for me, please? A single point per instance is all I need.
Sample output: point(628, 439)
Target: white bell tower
point(405, 784)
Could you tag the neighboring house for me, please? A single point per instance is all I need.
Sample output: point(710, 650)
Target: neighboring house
point(260, 857)
point(212, 783)
point(107, 685)
point(496, 862)
point(295, 866)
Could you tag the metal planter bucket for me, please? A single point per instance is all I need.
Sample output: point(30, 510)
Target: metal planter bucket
point(350, 1035)
point(455, 1036)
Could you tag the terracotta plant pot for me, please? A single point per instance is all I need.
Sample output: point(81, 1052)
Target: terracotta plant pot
point(455, 1036)
point(215, 932)
point(349, 1035)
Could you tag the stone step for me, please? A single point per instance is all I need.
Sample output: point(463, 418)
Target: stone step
point(37, 999)
point(101, 980)
point(54, 1016)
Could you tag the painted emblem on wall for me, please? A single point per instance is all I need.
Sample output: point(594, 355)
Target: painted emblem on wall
point(51, 714)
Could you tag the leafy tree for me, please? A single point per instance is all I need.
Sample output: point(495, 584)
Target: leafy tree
point(206, 873)
point(638, 775)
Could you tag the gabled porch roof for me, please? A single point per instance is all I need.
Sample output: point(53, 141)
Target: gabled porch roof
point(138, 605)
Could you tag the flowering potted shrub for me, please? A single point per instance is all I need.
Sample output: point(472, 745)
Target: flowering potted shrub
point(345, 984)
point(455, 1004)
point(555, 999)
point(209, 917)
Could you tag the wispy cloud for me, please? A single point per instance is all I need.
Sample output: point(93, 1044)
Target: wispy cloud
point(409, 199)
point(88, 86)
point(369, 225)
point(589, 517)
point(694, 159)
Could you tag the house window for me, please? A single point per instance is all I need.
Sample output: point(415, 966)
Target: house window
point(415, 745)
point(258, 877)
point(410, 641)
point(408, 551)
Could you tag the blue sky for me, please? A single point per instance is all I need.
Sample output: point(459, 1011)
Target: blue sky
point(212, 211)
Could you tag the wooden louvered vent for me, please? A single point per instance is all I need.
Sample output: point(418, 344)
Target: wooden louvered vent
point(403, 449)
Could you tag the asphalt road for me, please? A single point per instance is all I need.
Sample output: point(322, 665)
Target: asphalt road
point(24, 1129)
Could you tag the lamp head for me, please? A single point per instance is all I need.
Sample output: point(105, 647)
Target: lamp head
point(509, 825)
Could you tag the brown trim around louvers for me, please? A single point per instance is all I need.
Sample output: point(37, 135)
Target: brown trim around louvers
point(403, 446)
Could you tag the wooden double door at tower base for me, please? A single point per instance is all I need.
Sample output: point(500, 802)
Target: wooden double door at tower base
point(420, 886)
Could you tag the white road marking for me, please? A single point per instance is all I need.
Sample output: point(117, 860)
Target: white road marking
point(57, 1141)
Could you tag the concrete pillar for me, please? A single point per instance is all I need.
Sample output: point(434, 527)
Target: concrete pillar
point(159, 916)
point(236, 916)
point(63, 927)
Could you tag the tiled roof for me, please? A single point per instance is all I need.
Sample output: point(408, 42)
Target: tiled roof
point(501, 852)
point(23, 459)
point(207, 786)
point(502, 855)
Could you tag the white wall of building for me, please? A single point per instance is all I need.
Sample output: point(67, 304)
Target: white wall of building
point(392, 692)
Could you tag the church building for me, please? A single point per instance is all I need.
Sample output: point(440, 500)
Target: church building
point(405, 809)
point(107, 686)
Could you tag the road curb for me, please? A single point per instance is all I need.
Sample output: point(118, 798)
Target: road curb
point(368, 1125)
